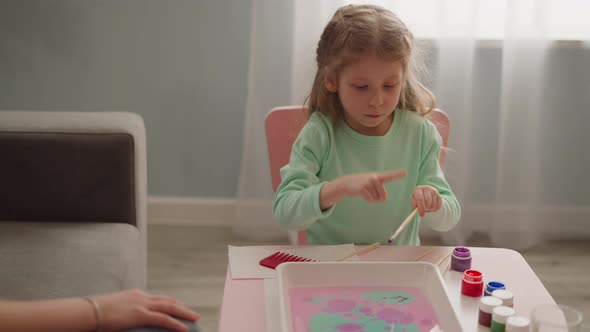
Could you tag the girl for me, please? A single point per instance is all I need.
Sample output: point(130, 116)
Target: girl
point(367, 119)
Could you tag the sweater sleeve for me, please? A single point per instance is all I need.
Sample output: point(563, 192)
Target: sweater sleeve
point(297, 200)
point(431, 174)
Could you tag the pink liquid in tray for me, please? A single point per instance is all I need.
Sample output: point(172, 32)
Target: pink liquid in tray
point(360, 309)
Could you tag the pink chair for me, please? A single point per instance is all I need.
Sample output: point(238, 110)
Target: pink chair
point(283, 124)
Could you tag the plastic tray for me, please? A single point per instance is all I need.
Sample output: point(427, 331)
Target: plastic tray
point(421, 275)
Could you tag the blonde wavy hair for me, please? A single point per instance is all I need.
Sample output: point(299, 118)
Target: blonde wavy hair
point(357, 30)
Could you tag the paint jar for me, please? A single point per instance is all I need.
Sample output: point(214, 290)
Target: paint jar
point(506, 296)
point(518, 324)
point(461, 259)
point(472, 283)
point(492, 286)
point(486, 306)
point(500, 315)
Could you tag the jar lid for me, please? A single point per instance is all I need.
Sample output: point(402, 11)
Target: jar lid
point(506, 296)
point(493, 285)
point(472, 275)
point(501, 313)
point(517, 324)
point(488, 303)
point(461, 252)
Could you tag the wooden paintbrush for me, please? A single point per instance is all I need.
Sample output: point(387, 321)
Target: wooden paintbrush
point(403, 225)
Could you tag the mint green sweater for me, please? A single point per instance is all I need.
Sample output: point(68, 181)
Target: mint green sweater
point(325, 150)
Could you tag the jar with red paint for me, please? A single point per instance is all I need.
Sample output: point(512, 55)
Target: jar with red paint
point(472, 283)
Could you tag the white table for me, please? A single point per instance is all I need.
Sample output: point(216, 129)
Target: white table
point(244, 310)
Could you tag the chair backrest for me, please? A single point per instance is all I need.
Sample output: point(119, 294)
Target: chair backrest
point(283, 124)
point(71, 167)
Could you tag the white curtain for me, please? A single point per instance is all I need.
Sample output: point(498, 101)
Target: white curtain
point(518, 97)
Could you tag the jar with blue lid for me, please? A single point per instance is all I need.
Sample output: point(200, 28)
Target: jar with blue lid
point(491, 286)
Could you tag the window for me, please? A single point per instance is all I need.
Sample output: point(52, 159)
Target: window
point(493, 19)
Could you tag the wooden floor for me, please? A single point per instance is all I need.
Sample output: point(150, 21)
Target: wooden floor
point(190, 262)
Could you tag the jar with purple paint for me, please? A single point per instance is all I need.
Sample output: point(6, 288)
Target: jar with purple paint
point(461, 259)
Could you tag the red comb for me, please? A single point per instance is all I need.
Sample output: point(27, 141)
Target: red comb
point(277, 258)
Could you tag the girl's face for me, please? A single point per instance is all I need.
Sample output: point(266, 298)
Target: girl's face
point(369, 90)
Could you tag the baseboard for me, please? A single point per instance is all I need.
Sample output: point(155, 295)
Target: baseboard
point(191, 211)
point(549, 222)
point(168, 210)
point(565, 221)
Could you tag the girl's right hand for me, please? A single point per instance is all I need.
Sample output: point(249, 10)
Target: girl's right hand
point(371, 186)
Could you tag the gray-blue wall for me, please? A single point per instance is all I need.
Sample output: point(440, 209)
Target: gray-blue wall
point(183, 66)
point(180, 64)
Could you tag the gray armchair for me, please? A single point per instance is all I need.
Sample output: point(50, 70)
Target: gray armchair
point(72, 203)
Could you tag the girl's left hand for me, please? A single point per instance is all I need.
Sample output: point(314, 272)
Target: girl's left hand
point(426, 199)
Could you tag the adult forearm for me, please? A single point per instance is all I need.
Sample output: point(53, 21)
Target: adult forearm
point(63, 315)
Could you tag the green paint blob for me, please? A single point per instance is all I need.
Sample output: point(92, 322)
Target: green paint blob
point(377, 325)
point(382, 326)
point(322, 322)
point(364, 320)
point(389, 296)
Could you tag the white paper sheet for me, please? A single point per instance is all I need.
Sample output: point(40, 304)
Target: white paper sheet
point(244, 261)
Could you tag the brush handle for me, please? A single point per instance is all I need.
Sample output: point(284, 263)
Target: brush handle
point(403, 225)
point(360, 252)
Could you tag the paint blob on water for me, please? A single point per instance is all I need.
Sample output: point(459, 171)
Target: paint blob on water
point(389, 296)
point(366, 311)
point(361, 309)
point(426, 321)
point(340, 306)
point(350, 327)
point(393, 316)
